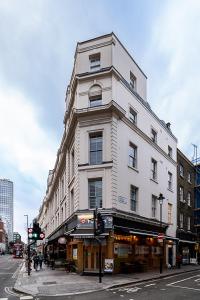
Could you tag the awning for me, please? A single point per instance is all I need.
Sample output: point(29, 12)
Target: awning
point(189, 242)
point(85, 234)
point(135, 231)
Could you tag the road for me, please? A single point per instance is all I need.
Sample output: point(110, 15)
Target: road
point(8, 274)
point(178, 287)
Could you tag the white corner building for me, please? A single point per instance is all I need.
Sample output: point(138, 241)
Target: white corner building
point(117, 155)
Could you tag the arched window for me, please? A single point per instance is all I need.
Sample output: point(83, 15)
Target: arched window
point(95, 95)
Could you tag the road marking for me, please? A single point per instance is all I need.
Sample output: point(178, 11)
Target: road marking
point(182, 280)
point(26, 297)
point(163, 289)
point(3, 298)
point(121, 295)
point(149, 284)
point(185, 287)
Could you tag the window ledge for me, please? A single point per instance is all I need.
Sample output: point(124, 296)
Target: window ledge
point(134, 169)
point(90, 167)
point(154, 180)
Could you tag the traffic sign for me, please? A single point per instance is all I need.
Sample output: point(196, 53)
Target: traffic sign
point(161, 237)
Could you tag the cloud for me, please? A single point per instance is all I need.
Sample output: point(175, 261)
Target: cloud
point(24, 143)
point(174, 62)
point(27, 153)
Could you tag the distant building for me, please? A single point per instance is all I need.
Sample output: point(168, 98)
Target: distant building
point(6, 205)
point(3, 237)
point(16, 237)
point(186, 232)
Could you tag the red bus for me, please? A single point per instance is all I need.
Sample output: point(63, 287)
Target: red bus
point(18, 251)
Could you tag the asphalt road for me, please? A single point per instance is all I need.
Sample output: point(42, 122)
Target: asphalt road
point(8, 272)
point(183, 286)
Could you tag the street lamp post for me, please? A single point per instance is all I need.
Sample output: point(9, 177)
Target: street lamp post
point(161, 198)
point(27, 227)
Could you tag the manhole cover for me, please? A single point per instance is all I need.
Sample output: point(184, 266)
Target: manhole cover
point(49, 282)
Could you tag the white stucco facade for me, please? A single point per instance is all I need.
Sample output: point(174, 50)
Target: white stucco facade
point(67, 190)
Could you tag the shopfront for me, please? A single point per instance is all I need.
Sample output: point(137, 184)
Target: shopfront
point(124, 249)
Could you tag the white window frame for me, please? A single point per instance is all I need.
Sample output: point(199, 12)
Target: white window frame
point(154, 135)
point(154, 206)
point(169, 151)
point(170, 181)
point(132, 155)
point(169, 213)
point(133, 81)
point(98, 201)
point(93, 135)
point(154, 167)
point(134, 200)
point(95, 62)
point(132, 115)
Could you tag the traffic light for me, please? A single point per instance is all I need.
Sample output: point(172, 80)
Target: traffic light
point(35, 233)
point(99, 224)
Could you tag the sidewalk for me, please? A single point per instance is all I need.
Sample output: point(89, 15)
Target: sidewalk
point(49, 282)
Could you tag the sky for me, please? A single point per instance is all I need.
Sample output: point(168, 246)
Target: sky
point(37, 46)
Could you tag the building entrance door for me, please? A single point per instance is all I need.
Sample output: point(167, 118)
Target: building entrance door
point(91, 258)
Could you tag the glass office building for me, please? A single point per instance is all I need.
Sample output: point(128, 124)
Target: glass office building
point(6, 206)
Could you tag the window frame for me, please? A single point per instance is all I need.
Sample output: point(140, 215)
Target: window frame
point(133, 81)
point(189, 198)
point(189, 176)
point(170, 181)
point(132, 158)
point(154, 169)
point(169, 151)
point(132, 115)
point(181, 220)
point(181, 193)
point(95, 58)
point(133, 201)
point(95, 135)
point(188, 223)
point(96, 204)
point(169, 213)
point(181, 170)
point(154, 135)
point(154, 200)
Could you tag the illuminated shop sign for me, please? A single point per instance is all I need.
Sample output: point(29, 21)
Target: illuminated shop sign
point(86, 221)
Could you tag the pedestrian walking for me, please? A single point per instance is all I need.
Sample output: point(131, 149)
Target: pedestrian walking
point(179, 260)
point(41, 258)
point(35, 261)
